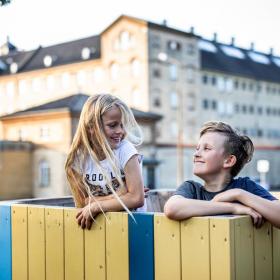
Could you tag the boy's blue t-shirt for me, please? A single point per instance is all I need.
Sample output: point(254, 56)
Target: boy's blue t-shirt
point(194, 190)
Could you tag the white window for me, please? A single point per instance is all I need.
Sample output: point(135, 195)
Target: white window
point(50, 83)
point(10, 97)
point(221, 108)
point(190, 74)
point(23, 93)
point(125, 40)
point(136, 98)
point(229, 85)
point(173, 72)
point(66, 80)
point(36, 84)
point(221, 84)
point(22, 134)
point(174, 128)
point(98, 75)
point(81, 78)
point(174, 100)
point(44, 174)
point(114, 71)
point(229, 109)
point(135, 68)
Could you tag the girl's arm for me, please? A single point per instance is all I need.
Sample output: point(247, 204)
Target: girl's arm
point(133, 198)
point(270, 210)
point(181, 208)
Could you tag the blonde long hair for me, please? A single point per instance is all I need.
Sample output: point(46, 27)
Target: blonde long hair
point(90, 142)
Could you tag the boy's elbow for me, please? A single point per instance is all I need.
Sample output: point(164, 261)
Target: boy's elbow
point(171, 210)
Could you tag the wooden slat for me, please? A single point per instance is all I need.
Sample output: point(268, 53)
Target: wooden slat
point(167, 248)
point(244, 248)
point(195, 249)
point(19, 242)
point(141, 246)
point(117, 247)
point(5, 243)
point(95, 264)
point(36, 243)
point(54, 244)
point(276, 253)
point(74, 246)
point(222, 248)
point(263, 252)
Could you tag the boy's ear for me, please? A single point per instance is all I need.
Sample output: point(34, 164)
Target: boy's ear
point(230, 161)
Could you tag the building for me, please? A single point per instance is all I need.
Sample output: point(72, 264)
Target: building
point(156, 68)
point(49, 129)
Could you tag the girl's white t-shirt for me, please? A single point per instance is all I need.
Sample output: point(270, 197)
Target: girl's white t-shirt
point(95, 179)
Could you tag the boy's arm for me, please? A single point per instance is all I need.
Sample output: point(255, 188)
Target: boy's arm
point(270, 210)
point(180, 208)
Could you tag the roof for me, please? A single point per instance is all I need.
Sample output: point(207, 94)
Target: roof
point(60, 54)
point(74, 105)
point(247, 67)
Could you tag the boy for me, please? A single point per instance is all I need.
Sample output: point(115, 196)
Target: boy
point(220, 155)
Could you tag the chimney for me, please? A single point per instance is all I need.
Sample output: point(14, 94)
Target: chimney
point(215, 37)
point(252, 46)
point(271, 51)
point(192, 30)
point(232, 41)
point(164, 22)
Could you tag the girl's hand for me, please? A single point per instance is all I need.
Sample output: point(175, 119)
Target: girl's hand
point(240, 209)
point(228, 196)
point(85, 215)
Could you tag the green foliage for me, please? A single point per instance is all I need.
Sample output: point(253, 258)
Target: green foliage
point(4, 2)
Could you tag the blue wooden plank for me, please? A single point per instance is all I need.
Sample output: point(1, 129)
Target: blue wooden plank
point(5, 243)
point(141, 246)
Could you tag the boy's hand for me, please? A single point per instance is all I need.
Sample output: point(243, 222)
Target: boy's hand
point(85, 215)
point(228, 196)
point(240, 209)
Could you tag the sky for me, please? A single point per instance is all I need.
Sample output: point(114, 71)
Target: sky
point(30, 23)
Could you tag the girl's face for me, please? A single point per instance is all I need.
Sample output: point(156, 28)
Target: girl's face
point(209, 157)
point(113, 127)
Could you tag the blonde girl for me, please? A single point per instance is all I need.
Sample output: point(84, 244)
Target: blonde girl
point(103, 166)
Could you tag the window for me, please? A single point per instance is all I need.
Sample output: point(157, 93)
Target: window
point(174, 128)
point(221, 108)
point(114, 71)
point(236, 108)
point(244, 109)
point(260, 110)
point(173, 72)
point(190, 74)
point(36, 84)
point(44, 174)
point(204, 79)
point(10, 97)
point(50, 83)
point(221, 84)
point(136, 98)
point(229, 85)
point(155, 42)
point(251, 109)
point(98, 75)
point(156, 98)
point(124, 40)
point(156, 73)
point(66, 80)
point(214, 81)
point(174, 46)
point(214, 104)
point(135, 68)
point(205, 104)
point(191, 102)
point(244, 85)
point(44, 132)
point(236, 84)
point(174, 100)
point(190, 49)
point(81, 78)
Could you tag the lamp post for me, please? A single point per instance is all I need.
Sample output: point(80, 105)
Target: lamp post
point(163, 57)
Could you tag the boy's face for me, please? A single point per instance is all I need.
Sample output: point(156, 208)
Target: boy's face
point(209, 157)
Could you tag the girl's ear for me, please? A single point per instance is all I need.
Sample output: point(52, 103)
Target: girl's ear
point(230, 161)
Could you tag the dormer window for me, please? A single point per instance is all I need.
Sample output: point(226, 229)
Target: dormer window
point(174, 46)
point(85, 53)
point(13, 68)
point(48, 60)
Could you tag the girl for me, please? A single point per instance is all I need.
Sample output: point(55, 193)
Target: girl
point(103, 166)
point(220, 155)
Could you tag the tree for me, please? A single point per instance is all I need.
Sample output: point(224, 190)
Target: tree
point(4, 2)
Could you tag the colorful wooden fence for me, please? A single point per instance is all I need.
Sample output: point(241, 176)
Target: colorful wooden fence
point(45, 243)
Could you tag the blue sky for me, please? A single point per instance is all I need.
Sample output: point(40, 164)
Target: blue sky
point(30, 23)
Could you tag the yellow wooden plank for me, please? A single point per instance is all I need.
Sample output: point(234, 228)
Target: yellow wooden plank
point(263, 252)
point(276, 253)
point(222, 248)
point(19, 242)
point(244, 248)
point(117, 262)
point(167, 248)
point(36, 243)
point(195, 249)
point(95, 265)
point(74, 246)
point(54, 244)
